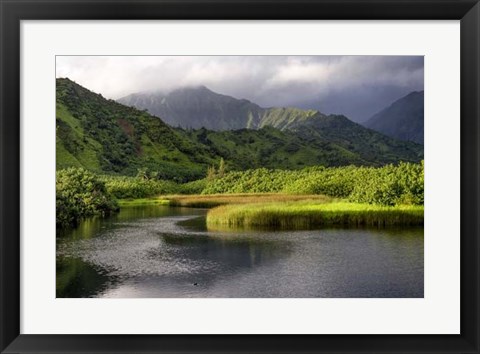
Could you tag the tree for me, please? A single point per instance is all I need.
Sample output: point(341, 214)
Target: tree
point(221, 168)
point(211, 173)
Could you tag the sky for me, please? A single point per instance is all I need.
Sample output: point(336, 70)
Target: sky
point(356, 86)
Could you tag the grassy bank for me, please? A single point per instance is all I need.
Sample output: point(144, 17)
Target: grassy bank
point(387, 185)
point(214, 200)
point(261, 197)
point(143, 201)
point(308, 214)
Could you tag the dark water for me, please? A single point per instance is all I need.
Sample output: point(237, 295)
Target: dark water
point(160, 251)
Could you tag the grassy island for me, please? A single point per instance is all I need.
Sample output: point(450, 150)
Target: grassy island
point(308, 214)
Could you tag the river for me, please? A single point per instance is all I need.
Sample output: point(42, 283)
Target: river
point(162, 251)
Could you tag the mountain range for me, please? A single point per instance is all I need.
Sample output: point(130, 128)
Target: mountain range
point(106, 136)
point(199, 107)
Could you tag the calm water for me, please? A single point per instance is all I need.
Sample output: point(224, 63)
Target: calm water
point(160, 251)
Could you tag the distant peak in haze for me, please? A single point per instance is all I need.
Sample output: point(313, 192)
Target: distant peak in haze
point(403, 119)
point(199, 88)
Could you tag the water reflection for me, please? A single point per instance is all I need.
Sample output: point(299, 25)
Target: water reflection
point(160, 251)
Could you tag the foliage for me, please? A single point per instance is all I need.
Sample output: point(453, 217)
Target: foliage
point(211, 173)
point(138, 187)
point(221, 168)
point(107, 137)
point(193, 187)
point(388, 185)
point(80, 194)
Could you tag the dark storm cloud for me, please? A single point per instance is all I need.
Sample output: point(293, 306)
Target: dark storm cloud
point(356, 86)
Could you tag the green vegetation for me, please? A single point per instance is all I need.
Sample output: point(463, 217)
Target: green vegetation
point(122, 187)
point(304, 215)
point(80, 194)
point(388, 185)
point(106, 137)
point(265, 174)
point(143, 201)
point(285, 118)
point(384, 186)
point(210, 201)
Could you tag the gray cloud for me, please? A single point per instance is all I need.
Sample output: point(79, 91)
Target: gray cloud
point(357, 86)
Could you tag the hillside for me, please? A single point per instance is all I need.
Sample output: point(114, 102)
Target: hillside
point(374, 148)
point(107, 137)
point(402, 120)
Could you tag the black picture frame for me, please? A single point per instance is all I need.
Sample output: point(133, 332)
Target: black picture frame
point(14, 11)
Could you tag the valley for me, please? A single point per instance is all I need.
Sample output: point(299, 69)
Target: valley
point(192, 193)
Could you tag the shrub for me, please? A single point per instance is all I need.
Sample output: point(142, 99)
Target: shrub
point(194, 187)
point(387, 185)
point(79, 194)
point(137, 187)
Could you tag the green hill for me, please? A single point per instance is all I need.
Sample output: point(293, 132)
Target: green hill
point(107, 137)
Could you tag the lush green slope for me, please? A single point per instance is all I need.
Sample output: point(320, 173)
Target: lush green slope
point(402, 120)
point(286, 118)
point(104, 136)
point(360, 145)
point(271, 148)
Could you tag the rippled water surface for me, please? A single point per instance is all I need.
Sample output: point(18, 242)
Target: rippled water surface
point(160, 251)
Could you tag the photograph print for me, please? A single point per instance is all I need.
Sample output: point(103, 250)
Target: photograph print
point(240, 176)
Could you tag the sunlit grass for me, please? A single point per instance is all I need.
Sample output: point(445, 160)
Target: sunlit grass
point(142, 201)
point(308, 214)
point(213, 200)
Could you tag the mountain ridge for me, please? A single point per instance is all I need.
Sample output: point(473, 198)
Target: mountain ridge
point(107, 137)
point(199, 107)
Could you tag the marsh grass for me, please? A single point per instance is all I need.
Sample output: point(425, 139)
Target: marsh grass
point(214, 200)
point(143, 201)
point(308, 214)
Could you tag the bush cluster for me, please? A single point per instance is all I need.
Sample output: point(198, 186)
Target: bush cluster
point(387, 185)
point(136, 187)
point(123, 187)
point(80, 194)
